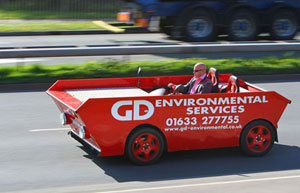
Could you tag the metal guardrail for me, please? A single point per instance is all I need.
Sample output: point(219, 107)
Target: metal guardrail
point(146, 50)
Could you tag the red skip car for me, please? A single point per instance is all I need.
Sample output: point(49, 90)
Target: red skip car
point(140, 118)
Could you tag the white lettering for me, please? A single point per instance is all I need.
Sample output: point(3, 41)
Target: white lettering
point(189, 110)
point(115, 113)
point(257, 99)
point(135, 113)
point(223, 101)
point(136, 110)
point(178, 102)
point(233, 109)
point(241, 109)
point(169, 103)
point(204, 110)
point(158, 103)
point(233, 100)
point(213, 109)
point(191, 102)
point(197, 110)
point(241, 100)
point(226, 111)
point(201, 101)
point(250, 99)
point(212, 101)
point(264, 99)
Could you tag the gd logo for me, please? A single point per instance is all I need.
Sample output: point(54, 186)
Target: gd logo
point(132, 114)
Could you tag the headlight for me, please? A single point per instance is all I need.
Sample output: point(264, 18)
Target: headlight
point(63, 118)
point(82, 132)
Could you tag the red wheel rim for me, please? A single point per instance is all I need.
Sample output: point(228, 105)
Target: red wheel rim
point(258, 138)
point(146, 147)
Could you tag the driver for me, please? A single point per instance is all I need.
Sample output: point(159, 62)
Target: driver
point(198, 84)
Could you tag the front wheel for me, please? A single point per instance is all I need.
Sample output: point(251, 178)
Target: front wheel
point(145, 146)
point(257, 138)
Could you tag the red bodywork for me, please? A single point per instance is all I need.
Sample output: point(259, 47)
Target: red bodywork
point(187, 122)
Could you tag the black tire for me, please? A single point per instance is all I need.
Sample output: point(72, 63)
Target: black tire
point(200, 26)
point(243, 26)
point(257, 138)
point(166, 25)
point(284, 25)
point(145, 146)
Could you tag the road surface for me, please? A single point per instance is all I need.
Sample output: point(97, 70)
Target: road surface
point(37, 155)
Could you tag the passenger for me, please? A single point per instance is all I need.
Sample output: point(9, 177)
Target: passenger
point(198, 84)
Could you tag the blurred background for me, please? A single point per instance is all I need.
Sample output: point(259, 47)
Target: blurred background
point(59, 9)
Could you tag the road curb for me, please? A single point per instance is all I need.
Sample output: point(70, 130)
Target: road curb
point(250, 78)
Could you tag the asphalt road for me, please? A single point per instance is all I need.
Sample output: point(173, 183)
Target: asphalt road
point(110, 39)
point(38, 156)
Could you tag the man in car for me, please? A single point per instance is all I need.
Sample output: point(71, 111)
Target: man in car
point(198, 84)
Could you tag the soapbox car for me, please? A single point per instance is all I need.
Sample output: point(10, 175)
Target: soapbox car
point(140, 118)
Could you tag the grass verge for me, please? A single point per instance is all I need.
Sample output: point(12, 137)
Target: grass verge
point(47, 26)
point(93, 69)
point(31, 14)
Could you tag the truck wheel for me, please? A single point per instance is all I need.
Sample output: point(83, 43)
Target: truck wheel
point(284, 25)
point(145, 146)
point(257, 138)
point(200, 26)
point(242, 26)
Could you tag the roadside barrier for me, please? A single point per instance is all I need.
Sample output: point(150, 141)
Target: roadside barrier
point(68, 51)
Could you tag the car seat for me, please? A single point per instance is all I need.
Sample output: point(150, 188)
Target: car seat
point(232, 86)
point(213, 76)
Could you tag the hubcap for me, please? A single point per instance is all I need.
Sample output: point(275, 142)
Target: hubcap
point(146, 147)
point(199, 27)
point(258, 138)
point(284, 27)
point(242, 27)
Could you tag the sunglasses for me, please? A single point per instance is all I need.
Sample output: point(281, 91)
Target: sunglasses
point(197, 70)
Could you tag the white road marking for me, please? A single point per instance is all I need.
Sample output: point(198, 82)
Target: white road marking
point(50, 129)
point(4, 61)
point(201, 184)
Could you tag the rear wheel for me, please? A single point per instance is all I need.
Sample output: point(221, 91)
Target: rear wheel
point(243, 26)
point(257, 138)
point(145, 146)
point(284, 25)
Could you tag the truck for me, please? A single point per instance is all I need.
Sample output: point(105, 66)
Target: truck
point(204, 20)
point(140, 118)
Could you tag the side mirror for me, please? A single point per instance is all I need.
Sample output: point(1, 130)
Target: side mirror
point(139, 72)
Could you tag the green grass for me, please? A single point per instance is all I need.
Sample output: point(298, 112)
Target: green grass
point(237, 66)
point(47, 26)
point(59, 9)
point(50, 26)
point(22, 14)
